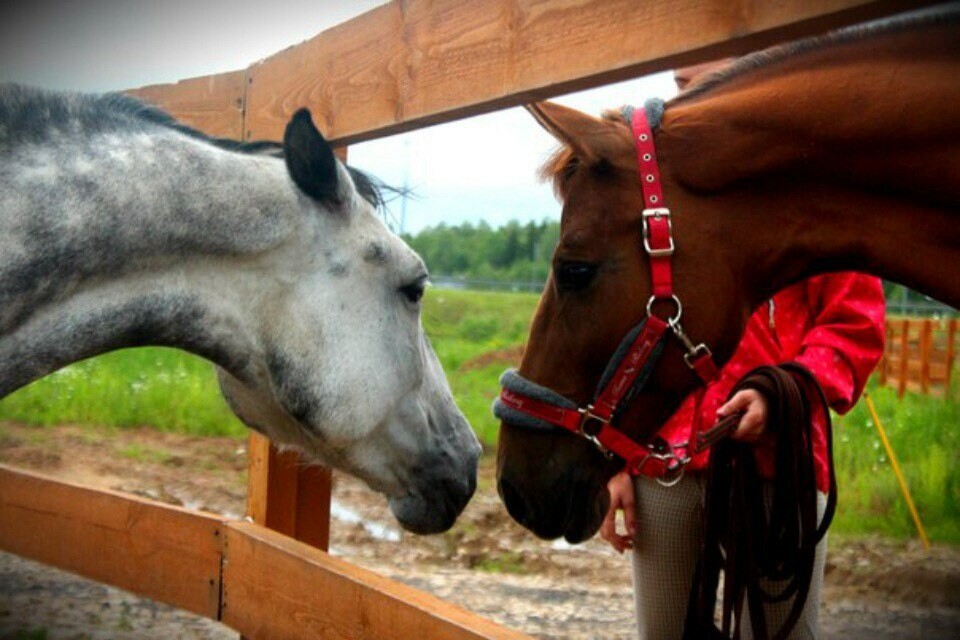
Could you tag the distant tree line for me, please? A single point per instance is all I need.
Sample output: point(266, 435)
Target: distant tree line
point(519, 253)
point(514, 252)
point(904, 301)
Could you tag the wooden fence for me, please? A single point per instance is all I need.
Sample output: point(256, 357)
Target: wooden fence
point(257, 581)
point(919, 355)
point(402, 66)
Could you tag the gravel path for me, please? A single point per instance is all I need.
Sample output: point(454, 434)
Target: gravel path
point(34, 597)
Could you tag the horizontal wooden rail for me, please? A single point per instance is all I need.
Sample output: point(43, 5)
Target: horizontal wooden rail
point(212, 104)
point(310, 594)
point(254, 580)
point(412, 63)
point(162, 552)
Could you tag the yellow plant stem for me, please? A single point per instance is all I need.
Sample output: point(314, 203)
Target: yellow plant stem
point(896, 470)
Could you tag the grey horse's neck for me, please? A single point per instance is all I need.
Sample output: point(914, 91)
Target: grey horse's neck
point(119, 234)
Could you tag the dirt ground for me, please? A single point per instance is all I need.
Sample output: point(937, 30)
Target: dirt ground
point(875, 589)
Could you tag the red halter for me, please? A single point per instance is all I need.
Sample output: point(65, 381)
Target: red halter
point(595, 421)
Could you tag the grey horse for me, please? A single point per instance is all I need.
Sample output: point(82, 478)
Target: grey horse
point(121, 227)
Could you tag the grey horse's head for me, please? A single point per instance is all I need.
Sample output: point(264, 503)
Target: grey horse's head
point(346, 373)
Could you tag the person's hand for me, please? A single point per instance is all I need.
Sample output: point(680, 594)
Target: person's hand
point(620, 487)
point(753, 424)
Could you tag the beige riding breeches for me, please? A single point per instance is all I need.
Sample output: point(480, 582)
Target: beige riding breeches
point(666, 550)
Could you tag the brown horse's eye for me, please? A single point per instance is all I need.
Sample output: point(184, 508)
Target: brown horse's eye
point(574, 276)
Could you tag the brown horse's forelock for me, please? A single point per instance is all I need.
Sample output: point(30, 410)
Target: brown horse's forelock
point(564, 161)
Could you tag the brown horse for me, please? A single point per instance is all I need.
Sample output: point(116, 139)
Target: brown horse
point(838, 153)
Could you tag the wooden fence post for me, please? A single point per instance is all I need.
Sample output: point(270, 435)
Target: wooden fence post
point(904, 357)
point(287, 496)
point(951, 343)
point(926, 335)
point(885, 358)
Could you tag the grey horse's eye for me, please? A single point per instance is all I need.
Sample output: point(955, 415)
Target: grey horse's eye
point(414, 290)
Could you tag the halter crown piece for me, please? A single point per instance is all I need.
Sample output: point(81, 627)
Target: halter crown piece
point(526, 404)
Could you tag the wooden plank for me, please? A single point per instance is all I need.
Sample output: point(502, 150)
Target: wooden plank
point(886, 359)
point(938, 373)
point(212, 104)
point(926, 339)
point(286, 495)
point(275, 587)
point(951, 344)
point(413, 63)
point(162, 552)
point(904, 356)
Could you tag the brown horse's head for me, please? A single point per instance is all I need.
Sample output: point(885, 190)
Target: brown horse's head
point(554, 482)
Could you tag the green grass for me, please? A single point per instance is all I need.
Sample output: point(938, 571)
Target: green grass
point(925, 437)
point(507, 562)
point(161, 388)
point(473, 333)
point(465, 325)
point(140, 453)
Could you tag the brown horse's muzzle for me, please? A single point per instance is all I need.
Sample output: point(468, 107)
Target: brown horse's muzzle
point(549, 498)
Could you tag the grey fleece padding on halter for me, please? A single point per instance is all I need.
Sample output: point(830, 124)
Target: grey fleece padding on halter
point(641, 379)
point(513, 381)
point(653, 108)
point(618, 356)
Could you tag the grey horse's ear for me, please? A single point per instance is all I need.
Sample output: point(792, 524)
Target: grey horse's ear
point(310, 158)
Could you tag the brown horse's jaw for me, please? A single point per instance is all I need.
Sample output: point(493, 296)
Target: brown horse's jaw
point(552, 502)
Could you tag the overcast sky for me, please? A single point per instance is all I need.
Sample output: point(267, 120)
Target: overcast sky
point(482, 168)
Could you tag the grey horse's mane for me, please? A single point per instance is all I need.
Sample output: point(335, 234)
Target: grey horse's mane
point(932, 17)
point(28, 114)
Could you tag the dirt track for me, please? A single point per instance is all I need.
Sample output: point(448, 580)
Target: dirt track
point(875, 589)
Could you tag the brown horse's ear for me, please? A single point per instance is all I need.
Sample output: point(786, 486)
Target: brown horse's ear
point(536, 110)
point(584, 134)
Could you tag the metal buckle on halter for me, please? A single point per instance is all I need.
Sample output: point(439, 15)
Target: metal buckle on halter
point(693, 351)
point(696, 353)
point(674, 472)
point(673, 320)
point(659, 212)
point(674, 466)
point(588, 417)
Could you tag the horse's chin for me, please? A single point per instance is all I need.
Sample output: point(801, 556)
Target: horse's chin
point(423, 516)
point(584, 525)
point(574, 512)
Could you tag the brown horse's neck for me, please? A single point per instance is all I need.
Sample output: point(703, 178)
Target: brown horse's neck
point(828, 160)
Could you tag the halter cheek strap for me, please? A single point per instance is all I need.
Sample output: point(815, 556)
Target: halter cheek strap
point(526, 404)
point(657, 228)
point(658, 242)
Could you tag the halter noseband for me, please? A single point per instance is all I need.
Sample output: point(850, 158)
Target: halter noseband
point(526, 404)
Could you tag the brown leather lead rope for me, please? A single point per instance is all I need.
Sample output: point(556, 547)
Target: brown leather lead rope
point(723, 428)
point(742, 538)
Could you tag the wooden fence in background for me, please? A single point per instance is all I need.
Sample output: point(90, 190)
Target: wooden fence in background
point(919, 355)
point(399, 67)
